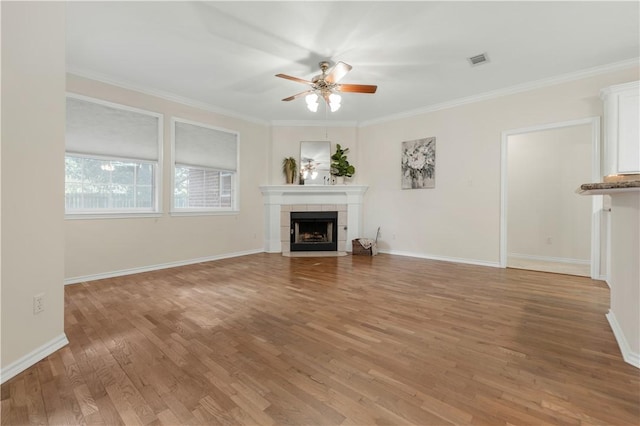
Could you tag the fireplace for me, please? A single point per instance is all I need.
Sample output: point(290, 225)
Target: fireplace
point(281, 200)
point(314, 231)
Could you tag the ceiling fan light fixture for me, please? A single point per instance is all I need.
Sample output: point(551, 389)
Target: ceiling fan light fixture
point(334, 102)
point(312, 102)
point(326, 85)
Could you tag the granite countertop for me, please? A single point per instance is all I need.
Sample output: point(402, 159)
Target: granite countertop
point(608, 187)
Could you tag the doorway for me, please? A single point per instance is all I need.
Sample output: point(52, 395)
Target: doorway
point(545, 224)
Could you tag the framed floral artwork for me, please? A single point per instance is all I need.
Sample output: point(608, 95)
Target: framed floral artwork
point(419, 163)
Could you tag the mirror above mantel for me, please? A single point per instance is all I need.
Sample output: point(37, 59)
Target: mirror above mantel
point(315, 162)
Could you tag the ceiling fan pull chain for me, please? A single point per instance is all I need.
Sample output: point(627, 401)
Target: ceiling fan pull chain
point(326, 123)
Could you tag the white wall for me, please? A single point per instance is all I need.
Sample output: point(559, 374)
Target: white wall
point(33, 116)
point(286, 143)
point(460, 218)
point(102, 246)
point(546, 218)
point(624, 314)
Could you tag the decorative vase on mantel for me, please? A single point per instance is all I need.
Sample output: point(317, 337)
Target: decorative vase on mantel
point(339, 180)
point(289, 169)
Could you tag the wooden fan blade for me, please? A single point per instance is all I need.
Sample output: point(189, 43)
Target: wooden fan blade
point(336, 73)
point(290, 98)
point(357, 88)
point(299, 80)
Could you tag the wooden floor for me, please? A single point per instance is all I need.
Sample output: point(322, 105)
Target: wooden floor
point(266, 339)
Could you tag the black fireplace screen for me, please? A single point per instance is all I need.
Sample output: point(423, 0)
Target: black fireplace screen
point(314, 231)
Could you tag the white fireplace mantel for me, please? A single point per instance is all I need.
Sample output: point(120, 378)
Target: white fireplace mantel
point(275, 196)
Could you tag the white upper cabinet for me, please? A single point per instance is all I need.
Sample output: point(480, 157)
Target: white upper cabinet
point(621, 128)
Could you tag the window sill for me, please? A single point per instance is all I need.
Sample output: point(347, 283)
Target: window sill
point(85, 216)
point(205, 213)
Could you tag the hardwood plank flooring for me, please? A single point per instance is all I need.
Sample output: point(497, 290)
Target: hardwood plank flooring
point(272, 340)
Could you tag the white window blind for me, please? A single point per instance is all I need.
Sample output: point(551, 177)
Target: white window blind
point(199, 146)
point(97, 129)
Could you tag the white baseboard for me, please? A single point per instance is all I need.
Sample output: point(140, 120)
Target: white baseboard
point(33, 357)
point(549, 259)
point(112, 274)
point(442, 258)
point(628, 355)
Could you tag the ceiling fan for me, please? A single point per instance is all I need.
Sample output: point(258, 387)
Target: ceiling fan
point(326, 85)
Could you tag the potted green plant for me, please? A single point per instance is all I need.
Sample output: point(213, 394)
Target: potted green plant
point(340, 167)
point(289, 168)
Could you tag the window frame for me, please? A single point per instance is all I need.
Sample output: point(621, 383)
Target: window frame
point(235, 175)
point(156, 210)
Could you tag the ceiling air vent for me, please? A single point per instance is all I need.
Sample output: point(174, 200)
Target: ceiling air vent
point(478, 59)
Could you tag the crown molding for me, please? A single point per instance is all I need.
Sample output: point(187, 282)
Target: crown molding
point(537, 84)
point(310, 123)
point(163, 95)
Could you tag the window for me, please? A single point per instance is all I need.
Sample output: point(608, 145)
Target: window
point(205, 168)
point(94, 184)
point(202, 188)
point(112, 158)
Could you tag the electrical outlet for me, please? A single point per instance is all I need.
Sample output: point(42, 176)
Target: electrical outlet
point(549, 240)
point(38, 303)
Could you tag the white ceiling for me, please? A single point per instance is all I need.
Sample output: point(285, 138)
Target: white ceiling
point(225, 54)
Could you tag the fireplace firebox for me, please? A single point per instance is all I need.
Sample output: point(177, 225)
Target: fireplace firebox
point(314, 231)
